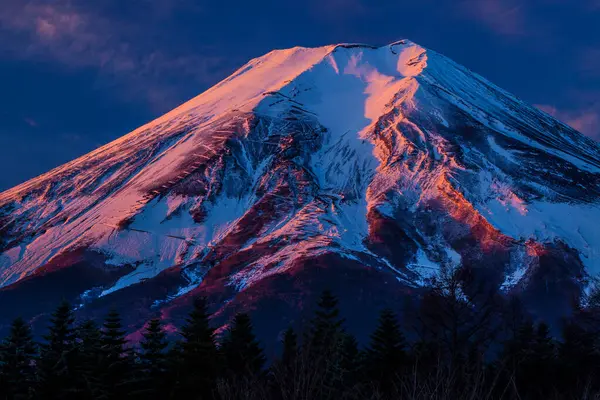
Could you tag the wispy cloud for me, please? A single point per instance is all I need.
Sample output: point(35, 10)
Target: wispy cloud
point(77, 36)
point(586, 121)
point(31, 122)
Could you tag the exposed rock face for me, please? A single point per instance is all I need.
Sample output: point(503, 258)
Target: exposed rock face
point(362, 169)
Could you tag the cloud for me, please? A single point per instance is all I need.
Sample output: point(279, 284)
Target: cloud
point(45, 29)
point(64, 34)
point(77, 36)
point(586, 121)
point(52, 24)
point(31, 122)
point(504, 17)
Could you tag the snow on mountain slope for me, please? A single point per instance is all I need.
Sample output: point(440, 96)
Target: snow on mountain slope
point(395, 158)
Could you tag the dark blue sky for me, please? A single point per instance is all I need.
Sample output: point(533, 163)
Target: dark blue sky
point(76, 74)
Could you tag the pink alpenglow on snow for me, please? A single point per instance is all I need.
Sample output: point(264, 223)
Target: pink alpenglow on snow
point(389, 164)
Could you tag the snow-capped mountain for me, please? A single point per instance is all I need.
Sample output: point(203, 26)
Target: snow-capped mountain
point(365, 168)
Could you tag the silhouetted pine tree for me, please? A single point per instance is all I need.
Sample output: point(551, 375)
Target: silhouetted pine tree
point(518, 348)
point(196, 361)
point(242, 354)
point(153, 365)
point(516, 352)
point(326, 326)
point(88, 374)
point(544, 344)
point(290, 348)
point(386, 357)
point(116, 361)
point(351, 359)
point(323, 346)
point(57, 364)
point(153, 346)
point(577, 356)
point(94, 364)
point(540, 366)
point(17, 358)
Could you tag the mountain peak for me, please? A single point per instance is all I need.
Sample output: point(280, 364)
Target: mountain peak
point(276, 69)
point(384, 164)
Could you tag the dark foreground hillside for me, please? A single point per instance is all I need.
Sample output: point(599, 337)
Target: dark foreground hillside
point(448, 345)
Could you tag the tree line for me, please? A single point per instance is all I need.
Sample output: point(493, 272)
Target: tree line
point(454, 345)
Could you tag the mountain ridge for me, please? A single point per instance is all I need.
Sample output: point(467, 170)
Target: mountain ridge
point(393, 159)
